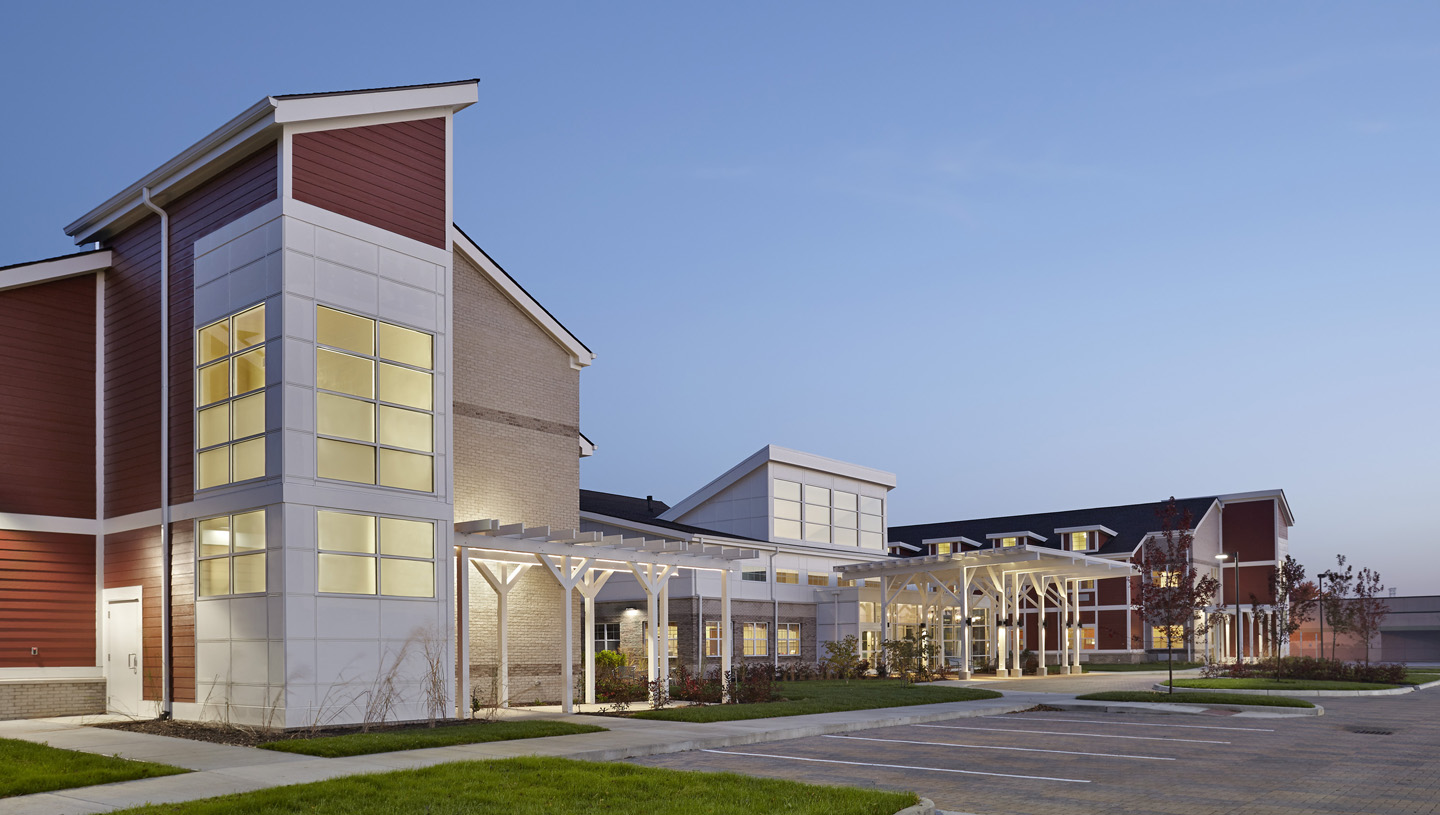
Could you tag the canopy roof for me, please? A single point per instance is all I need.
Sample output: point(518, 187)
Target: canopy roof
point(1040, 560)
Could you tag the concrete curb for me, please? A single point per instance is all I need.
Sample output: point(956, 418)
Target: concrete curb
point(1188, 709)
point(925, 807)
point(1249, 692)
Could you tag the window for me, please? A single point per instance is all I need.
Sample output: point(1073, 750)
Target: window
point(374, 402)
point(754, 577)
point(756, 639)
point(231, 555)
point(817, 578)
point(1079, 541)
point(672, 639)
point(230, 399)
point(869, 645)
point(787, 639)
point(944, 548)
point(365, 554)
point(1166, 579)
point(869, 611)
point(607, 637)
point(1167, 636)
point(1087, 638)
point(822, 515)
point(787, 576)
point(1009, 541)
point(713, 641)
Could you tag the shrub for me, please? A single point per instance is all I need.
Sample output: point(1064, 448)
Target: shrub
point(1316, 668)
point(751, 683)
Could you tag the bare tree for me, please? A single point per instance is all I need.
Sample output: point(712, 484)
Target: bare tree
point(1334, 588)
point(1173, 596)
point(1367, 611)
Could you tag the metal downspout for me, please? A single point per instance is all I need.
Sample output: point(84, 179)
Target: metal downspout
point(166, 702)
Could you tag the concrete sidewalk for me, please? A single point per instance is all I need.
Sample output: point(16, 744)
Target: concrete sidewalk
point(223, 769)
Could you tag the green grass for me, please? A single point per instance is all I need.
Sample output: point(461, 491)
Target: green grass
point(1420, 677)
point(1194, 698)
point(1257, 683)
point(541, 786)
point(824, 696)
point(417, 738)
point(26, 768)
point(1141, 666)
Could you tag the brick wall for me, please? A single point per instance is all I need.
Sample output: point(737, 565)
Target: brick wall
point(689, 630)
point(536, 637)
point(40, 698)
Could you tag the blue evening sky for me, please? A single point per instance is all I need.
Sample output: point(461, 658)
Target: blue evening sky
point(1029, 257)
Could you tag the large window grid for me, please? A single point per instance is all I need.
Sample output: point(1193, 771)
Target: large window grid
point(366, 554)
point(713, 641)
point(607, 637)
point(230, 399)
point(756, 637)
point(374, 402)
point(787, 639)
point(230, 555)
point(821, 515)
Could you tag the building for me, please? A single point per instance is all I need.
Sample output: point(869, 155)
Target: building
point(1409, 633)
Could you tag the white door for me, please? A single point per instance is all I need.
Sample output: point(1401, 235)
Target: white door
point(123, 680)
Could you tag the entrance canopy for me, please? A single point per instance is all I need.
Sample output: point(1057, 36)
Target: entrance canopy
point(1011, 578)
point(582, 561)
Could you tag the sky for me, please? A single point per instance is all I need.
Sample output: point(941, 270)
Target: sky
point(1027, 257)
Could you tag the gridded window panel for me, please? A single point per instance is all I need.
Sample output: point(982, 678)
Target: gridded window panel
point(1005, 542)
point(363, 439)
point(231, 554)
point(753, 576)
point(789, 510)
point(844, 537)
point(230, 399)
point(817, 579)
point(817, 495)
point(713, 641)
point(872, 506)
point(787, 576)
point(869, 523)
point(817, 514)
point(787, 640)
point(407, 578)
point(846, 519)
point(403, 538)
point(1172, 636)
point(1087, 638)
point(405, 566)
point(788, 490)
point(817, 533)
point(871, 540)
point(346, 532)
point(607, 636)
point(672, 641)
point(346, 574)
point(1079, 541)
point(787, 529)
point(756, 638)
point(943, 548)
point(845, 500)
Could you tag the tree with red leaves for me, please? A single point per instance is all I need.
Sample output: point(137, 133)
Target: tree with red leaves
point(1172, 596)
point(1367, 611)
point(1290, 607)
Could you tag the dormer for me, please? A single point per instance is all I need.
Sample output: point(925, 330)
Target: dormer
point(950, 546)
point(1084, 538)
point(1005, 540)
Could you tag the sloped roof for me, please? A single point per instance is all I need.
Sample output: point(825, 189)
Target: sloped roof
point(1131, 521)
point(644, 510)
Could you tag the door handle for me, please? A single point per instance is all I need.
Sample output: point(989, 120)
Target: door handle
point(130, 662)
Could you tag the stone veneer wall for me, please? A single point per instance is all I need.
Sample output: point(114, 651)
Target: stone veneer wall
point(41, 698)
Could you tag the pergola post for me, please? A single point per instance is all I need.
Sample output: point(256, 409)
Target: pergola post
point(726, 637)
point(966, 661)
point(1078, 631)
point(1017, 668)
point(1002, 638)
point(1040, 625)
point(568, 573)
point(663, 630)
point(589, 586)
point(1063, 629)
point(501, 584)
point(653, 577)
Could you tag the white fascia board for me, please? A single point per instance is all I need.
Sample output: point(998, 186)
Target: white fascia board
point(580, 356)
point(1025, 534)
point(957, 539)
point(364, 103)
point(1240, 497)
point(247, 127)
point(1092, 528)
point(587, 447)
point(783, 455)
point(57, 269)
point(912, 547)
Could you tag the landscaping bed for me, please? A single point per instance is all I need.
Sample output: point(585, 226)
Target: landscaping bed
point(333, 742)
point(1258, 683)
point(540, 786)
point(26, 768)
point(823, 696)
point(1194, 698)
point(1125, 667)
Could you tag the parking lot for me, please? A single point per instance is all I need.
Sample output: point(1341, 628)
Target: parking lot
point(1367, 755)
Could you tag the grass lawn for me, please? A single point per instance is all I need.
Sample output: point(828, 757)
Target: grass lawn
point(26, 767)
point(1257, 683)
point(1142, 666)
point(1194, 698)
point(540, 786)
point(824, 696)
point(1420, 677)
point(416, 738)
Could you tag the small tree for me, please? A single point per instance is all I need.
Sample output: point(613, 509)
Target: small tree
point(1172, 595)
point(1367, 611)
point(1290, 606)
point(843, 656)
point(1334, 588)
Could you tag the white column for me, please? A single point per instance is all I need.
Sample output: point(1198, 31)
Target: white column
point(501, 584)
point(589, 587)
point(462, 627)
point(567, 662)
point(726, 639)
point(1063, 629)
point(1001, 640)
point(651, 613)
point(1040, 626)
point(1017, 669)
point(1078, 631)
point(965, 633)
point(664, 630)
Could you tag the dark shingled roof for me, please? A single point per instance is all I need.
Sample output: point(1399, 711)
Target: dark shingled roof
point(643, 510)
point(1131, 522)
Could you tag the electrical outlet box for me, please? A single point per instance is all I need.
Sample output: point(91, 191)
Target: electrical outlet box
point(34, 652)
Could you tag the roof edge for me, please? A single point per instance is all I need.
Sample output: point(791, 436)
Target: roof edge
point(20, 275)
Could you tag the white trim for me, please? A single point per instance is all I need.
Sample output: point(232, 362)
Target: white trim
point(672, 534)
point(388, 117)
point(26, 676)
point(1260, 495)
point(912, 547)
point(957, 539)
point(344, 104)
point(45, 271)
point(587, 447)
point(1092, 528)
point(99, 464)
point(783, 455)
point(135, 520)
point(55, 524)
point(580, 356)
point(1026, 534)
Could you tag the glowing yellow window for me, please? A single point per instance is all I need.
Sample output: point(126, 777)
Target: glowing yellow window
point(231, 554)
point(230, 402)
point(1009, 541)
point(1079, 541)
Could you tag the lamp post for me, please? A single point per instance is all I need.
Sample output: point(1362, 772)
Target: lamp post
point(1323, 577)
point(1222, 557)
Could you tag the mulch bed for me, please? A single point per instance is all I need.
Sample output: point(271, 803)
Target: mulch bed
point(252, 736)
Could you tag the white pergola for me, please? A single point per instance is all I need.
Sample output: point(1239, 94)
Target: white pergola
point(581, 561)
point(1005, 577)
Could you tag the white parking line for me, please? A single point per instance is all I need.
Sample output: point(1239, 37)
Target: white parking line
point(900, 767)
point(1137, 724)
point(1063, 733)
point(1013, 749)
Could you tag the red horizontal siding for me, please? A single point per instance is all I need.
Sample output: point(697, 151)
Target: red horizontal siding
point(47, 599)
point(391, 176)
point(47, 399)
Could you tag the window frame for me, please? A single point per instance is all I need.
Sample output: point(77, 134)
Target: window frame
point(599, 637)
point(714, 643)
point(230, 556)
point(787, 637)
point(377, 557)
point(229, 360)
point(756, 639)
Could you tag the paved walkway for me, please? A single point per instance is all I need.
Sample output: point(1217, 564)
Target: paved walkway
point(223, 769)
